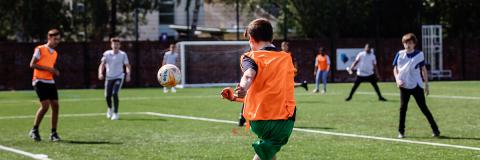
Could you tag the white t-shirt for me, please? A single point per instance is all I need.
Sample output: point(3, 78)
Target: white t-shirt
point(409, 68)
point(366, 64)
point(114, 64)
point(170, 57)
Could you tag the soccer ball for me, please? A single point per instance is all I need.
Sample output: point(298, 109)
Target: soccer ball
point(169, 75)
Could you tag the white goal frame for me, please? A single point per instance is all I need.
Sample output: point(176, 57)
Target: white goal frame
point(432, 46)
point(183, 65)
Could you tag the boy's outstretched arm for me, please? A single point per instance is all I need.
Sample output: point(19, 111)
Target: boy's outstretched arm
point(245, 82)
point(242, 87)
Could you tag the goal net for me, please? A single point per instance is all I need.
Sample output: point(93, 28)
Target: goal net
point(210, 63)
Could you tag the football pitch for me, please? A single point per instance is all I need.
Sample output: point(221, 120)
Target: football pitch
point(195, 123)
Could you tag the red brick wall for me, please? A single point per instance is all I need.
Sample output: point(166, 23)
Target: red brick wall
point(16, 74)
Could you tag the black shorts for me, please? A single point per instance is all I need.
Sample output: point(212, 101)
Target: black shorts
point(46, 91)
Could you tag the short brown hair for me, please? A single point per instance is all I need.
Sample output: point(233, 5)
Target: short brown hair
point(53, 32)
point(409, 37)
point(260, 30)
point(114, 39)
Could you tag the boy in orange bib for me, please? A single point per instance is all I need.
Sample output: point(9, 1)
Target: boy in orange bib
point(43, 65)
point(267, 90)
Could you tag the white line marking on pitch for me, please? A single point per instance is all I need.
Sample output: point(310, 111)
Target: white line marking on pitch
point(433, 96)
point(103, 99)
point(10, 101)
point(28, 154)
point(44, 156)
point(296, 129)
point(67, 115)
point(324, 132)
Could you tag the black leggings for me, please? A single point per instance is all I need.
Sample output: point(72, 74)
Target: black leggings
point(372, 79)
point(419, 96)
point(111, 90)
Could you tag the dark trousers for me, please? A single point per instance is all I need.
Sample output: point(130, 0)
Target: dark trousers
point(419, 96)
point(372, 79)
point(111, 90)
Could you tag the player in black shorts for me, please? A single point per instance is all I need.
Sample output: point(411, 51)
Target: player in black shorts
point(43, 65)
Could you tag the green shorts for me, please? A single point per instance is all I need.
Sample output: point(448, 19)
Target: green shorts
point(273, 135)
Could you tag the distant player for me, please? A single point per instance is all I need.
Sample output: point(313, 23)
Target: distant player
point(409, 69)
point(43, 65)
point(286, 48)
point(367, 70)
point(268, 89)
point(170, 57)
point(322, 67)
point(113, 61)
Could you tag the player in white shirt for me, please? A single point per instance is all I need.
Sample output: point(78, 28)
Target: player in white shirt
point(367, 70)
point(113, 61)
point(170, 57)
point(409, 70)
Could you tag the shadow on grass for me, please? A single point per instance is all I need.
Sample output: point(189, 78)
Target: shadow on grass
point(142, 119)
point(324, 128)
point(88, 142)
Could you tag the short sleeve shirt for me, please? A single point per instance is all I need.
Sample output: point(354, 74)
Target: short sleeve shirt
point(114, 63)
point(366, 63)
point(409, 67)
point(170, 57)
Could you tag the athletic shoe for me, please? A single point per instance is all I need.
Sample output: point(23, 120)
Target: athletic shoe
point(348, 99)
point(401, 135)
point(174, 90)
point(315, 90)
point(436, 134)
point(35, 135)
point(241, 121)
point(115, 116)
point(165, 90)
point(382, 99)
point(109, 113)
point(54, 137)
point(305, 85)
point(324, 92)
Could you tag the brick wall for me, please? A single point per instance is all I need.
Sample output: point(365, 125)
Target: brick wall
point(79, 70)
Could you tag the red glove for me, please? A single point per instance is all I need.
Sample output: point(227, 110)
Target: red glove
point(227, 93)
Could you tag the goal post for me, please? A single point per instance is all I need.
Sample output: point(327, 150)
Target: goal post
point(432, 46)
point(210, 63)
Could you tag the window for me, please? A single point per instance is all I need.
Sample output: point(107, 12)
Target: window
point(166, 12)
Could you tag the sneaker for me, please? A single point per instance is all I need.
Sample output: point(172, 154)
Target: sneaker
point(241, 121)
point(35, 135)
point(348, 99)
point(382, 99)
point(109, 113)
point(315, 90)
point(115, 116)
point(174, 90)
point(401, 135)
point(165, 90)
point(305, 85)
point(324, 91)
point(436, 134)
point(54, 137)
